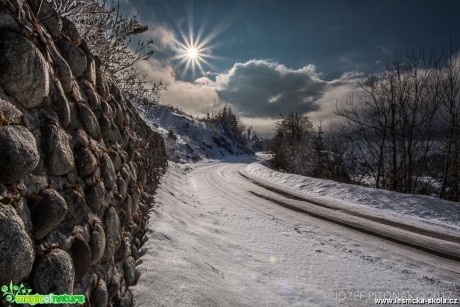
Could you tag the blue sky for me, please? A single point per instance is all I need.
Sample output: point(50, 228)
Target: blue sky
point(270, 56)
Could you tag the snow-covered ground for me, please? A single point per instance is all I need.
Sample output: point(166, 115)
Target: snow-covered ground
point(407, 206)
point(214, 242)
point(216, 238)
point(188, 139)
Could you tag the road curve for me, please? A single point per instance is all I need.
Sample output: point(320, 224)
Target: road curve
point(435, 240)
point(232, 179)
point(220, 239)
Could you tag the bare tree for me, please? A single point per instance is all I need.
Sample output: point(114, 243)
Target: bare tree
point(449, 78)
point(393, 120)
point(367, 126)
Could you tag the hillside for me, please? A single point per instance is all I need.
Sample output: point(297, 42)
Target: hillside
point(188, 139)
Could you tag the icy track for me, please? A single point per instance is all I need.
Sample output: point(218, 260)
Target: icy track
point(213, 241)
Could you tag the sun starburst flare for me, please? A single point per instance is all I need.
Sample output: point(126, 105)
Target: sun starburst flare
point(194, 54)
point(194, 50)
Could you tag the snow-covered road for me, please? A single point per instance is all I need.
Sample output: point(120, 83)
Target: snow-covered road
point(213, 241)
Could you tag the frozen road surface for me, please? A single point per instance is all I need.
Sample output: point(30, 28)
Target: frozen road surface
point(218, 239)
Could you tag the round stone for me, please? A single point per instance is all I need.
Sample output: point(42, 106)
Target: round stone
point(95, 196)
point(56, 146)
point(97, 242)
point(48, 213)
point(129, 269)
point(19, 154)
point(112, 233)
point(89, 121)
point(108, 171)
point(99, 294)
point(81, 255)
point(54, 273)
point(76, 207)
point(86, 162)
point(9, 114)
point(24, 74)
point(16, 249)
point(74, 56)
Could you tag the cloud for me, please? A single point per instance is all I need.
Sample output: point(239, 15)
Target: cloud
point(264, 126)
point(335, 94)
point(192, 98)
point(205, 81)
point(157, 70)
point(261, 88)
point(165, 42)
point(163, 37)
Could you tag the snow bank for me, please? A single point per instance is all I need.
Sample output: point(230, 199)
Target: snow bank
point(423, 208)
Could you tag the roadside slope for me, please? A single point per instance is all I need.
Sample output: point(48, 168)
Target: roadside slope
point(188, 139)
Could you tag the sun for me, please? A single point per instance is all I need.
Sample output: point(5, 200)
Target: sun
point(194, 49)
point(193, 53)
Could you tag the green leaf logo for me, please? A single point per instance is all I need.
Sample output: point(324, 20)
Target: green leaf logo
point(12, 291)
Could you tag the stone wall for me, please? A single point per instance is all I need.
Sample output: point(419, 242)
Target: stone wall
point(78, 165)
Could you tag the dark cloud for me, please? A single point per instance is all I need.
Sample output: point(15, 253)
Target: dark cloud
point(260, 88)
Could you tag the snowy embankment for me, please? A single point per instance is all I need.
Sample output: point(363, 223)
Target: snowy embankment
point(426, 209)
point(188, 139)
